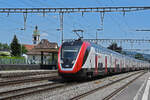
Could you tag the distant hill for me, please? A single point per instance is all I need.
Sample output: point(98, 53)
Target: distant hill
point(132, 54)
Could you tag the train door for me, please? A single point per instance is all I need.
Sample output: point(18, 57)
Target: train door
point(120, 64)
point(124, 64)
point(113, 64)
point(117, 64)
point(100, 63)
point(92, 59)
point(106, 64)
point(110, 63)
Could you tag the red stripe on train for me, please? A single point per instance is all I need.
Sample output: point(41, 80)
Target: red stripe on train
point(96, 62)
point(59, 68)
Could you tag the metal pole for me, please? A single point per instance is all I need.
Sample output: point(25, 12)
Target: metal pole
point(61, 26)
point(21, 49)
point(96, 37)
point(99, 29)
point(41, 57)
point(25, 20)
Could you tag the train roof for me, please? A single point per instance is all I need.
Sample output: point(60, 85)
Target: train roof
point(111, 52)
point(71, 43)
point(102, 49)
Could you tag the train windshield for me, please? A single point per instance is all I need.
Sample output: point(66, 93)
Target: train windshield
point(70, 52)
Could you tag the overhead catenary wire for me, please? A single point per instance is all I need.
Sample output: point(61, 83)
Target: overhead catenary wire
point(43, 13)
point(28, 4)
point(71, 18)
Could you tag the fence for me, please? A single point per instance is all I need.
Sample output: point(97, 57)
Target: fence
point(9, 60)
point(10, 63)
point(22, 60)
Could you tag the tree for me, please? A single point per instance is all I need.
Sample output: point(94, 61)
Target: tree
point(4, 47)
point(24, 50)
point(114, 47)
point(139, 56)
point(15, 47)
point(1, 46)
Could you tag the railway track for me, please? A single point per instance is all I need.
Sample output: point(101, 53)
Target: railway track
point(29, 91)
point(38, 88)
point(16, 93)
point(28, 79)
point(109, 84)
point(121, 88)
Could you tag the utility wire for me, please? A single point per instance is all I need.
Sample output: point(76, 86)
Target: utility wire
point(27, 3)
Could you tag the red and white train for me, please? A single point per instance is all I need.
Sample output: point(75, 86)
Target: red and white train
point(79, 58)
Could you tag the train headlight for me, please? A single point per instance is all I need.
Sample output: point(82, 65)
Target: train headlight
point(61, 61)
point(73, 61)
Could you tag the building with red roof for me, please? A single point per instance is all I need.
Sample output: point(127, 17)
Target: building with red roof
point(28, 46)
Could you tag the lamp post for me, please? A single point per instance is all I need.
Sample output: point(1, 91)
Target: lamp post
point(22, 29)
point(61, 34)
point(99, 29)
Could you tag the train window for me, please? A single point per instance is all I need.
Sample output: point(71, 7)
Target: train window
point(96, 49)
point(100, 66)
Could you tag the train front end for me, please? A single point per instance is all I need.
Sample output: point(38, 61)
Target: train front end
point(70, 59)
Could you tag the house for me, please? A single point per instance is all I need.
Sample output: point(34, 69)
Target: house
point(44, 52)
point(28, 46)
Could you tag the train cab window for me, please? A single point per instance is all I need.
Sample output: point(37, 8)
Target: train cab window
point(70, 52)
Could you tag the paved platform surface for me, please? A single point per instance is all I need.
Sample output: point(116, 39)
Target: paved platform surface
point(25, 72)
point(138, 90)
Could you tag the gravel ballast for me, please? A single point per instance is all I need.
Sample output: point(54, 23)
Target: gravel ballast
point(72, 91)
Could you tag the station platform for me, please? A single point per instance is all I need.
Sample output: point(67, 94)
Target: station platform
point(138, 90)
point(15, 73)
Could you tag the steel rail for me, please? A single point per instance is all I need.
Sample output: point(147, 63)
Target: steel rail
point(102, 87)
point(121, 88)
point(19, 81)
point(11, 94)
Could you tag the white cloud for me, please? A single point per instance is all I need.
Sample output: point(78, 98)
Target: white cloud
point(44, 34)
point(54, 16)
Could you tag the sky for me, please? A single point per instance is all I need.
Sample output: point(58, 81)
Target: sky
point(115, 25)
